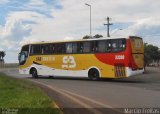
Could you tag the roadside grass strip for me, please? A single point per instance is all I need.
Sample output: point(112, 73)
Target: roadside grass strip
point(19, 96)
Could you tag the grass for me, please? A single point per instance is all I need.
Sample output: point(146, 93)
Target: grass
point(24, 96)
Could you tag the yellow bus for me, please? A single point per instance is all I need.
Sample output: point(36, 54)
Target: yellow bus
point(93, 58)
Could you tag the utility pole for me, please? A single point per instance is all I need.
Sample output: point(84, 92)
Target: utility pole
point(90, 19)
point(108, 25)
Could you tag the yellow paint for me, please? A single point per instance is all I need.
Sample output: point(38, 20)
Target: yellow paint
point(83, 62)
point(138, 51)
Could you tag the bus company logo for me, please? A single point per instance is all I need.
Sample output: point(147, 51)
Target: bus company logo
point(38, 58)
point(68, 62)
point(119, 57)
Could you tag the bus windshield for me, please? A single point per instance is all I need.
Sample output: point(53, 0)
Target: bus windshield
point(23, 55)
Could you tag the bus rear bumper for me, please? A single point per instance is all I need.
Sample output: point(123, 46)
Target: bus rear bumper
point(131, 72)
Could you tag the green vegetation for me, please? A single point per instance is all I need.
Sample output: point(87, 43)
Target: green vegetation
point(151, 54)
point(96, 36)
point(2, 55)
point(24, 97)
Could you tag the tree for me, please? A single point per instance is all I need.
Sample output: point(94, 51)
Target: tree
point(98, 36)
point(2, 55)
point(151, 54)
point(158, 57)
point(86, 37)
point(89, 37)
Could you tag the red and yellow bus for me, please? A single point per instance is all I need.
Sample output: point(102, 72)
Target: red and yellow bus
point(92, 58)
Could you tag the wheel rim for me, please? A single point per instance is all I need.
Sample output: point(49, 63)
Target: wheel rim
point(94, 75)
point(34, 74)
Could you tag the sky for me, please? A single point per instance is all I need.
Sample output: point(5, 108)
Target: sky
point(26, 21)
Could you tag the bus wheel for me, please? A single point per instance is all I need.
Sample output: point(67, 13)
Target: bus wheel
point(93, 74)
point(34, 73)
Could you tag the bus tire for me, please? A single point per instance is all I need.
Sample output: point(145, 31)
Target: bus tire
point(93, 74)
point(34, 73)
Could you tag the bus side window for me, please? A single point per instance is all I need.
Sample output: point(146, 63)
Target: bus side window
point(68, 47)
point(124, 43)
point(114, 45)
point(101, 46)
point(121, 44)
point(50, 48)
point(96, 46)
point(62, 49)
point(92, 47)
point(57, 48)
point(80, 47)
point(36, 49)
point(74, 46)
point(53, 48)
point(108, 46)
point(31, 50)
point(25, 49)
point(86, 47)
point(46, 49)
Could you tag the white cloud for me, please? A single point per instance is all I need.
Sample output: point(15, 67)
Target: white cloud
point(36, 3)
point(14, 28)
point(148, 29)
point(72, 21)
point(3, 2)
point(68, 38)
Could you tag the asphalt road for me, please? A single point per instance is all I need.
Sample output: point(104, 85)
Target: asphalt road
point(138, 91)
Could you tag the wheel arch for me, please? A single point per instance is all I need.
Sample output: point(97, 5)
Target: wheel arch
point(31, 70)
point(95, 68)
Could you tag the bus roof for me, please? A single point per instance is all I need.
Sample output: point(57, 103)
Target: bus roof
point(78, 40)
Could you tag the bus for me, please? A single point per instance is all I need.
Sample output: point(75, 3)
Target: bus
point(119, 57)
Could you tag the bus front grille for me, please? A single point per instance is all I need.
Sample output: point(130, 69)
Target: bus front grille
point(119, 69)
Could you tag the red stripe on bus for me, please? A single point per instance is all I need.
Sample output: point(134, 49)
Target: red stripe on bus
point(109, 58)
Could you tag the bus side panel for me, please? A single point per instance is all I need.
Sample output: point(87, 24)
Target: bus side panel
point(76, 65)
